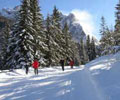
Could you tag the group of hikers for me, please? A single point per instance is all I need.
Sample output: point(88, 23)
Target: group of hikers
point(36, 64)
point(69, 62)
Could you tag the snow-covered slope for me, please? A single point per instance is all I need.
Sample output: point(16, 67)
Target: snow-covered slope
point(98, 80)
point(106, 71)
point(50, 84)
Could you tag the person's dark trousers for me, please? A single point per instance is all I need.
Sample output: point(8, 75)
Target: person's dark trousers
point(36, 71)
point(63, 67)
point(27, 69)
point(71, 67)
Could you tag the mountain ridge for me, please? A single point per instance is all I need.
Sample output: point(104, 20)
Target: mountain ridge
point(75, 29)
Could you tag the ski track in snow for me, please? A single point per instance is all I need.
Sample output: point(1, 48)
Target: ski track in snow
point(50, 84)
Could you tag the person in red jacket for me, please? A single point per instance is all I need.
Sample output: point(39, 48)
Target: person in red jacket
point(72, 63)
point(35, 66)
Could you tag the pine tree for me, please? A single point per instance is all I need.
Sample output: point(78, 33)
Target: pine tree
point(22, 42)
point(103, 33)
point(67, 42)
point(56, 18)
point(107, 39)
point(70, 47)
point(4, 44)
point(117, 25)
point(82, 52)
point(75, 53)
point(54, 36)
point(103, 26)
point(88, 47)
point(57, 36)
point(11, 47)
point(39, 32)
point(93, 49)
point(50, 41)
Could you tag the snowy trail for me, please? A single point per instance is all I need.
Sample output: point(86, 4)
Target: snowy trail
point(51, 84)
point(98, 80)
point(83, 83)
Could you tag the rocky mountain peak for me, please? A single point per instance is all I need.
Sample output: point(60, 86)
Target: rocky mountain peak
point(75, 28)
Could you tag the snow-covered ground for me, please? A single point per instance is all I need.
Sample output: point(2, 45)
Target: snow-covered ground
point(98, 80)
point(106, 71)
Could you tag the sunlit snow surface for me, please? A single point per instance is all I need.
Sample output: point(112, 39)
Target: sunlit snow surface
point(98, 80)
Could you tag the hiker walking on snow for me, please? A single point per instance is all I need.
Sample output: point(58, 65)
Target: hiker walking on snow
point(72, 63)
point(35, 66)
point(62, 63)
point(27, 69)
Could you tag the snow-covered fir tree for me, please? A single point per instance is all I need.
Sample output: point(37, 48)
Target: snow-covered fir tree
point(55, 38)
point(93, 49)
point(23, 41)
point(117, 26)
point(82, 52)
point(88, 47)
point(110, 37)
point(39, 32)
point(4, 36)
point(57, 35)
point(103, 31)
point(50, 41)
point(70, 46)
point(68, 42)
point(75, 53)
point(107, 39)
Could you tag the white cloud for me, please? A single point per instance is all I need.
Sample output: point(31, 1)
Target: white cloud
point(85, 19)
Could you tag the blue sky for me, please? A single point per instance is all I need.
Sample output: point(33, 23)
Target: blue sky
point(94, 9)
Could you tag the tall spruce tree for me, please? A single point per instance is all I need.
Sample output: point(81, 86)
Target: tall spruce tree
point(106, 39)
point(4, 36)
point(75, 53)
point(70, 47)
point(117, 25)
point(109, 38)
point(50, 42)
point(68, 42)
point(39, 32)
point(22, 42)
point(11, 47)
point(82, 52)
point(103, 26)
point(56, 18)
point(93, 49)
point(88, 47)
point(103, 33)
point(57, 36)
